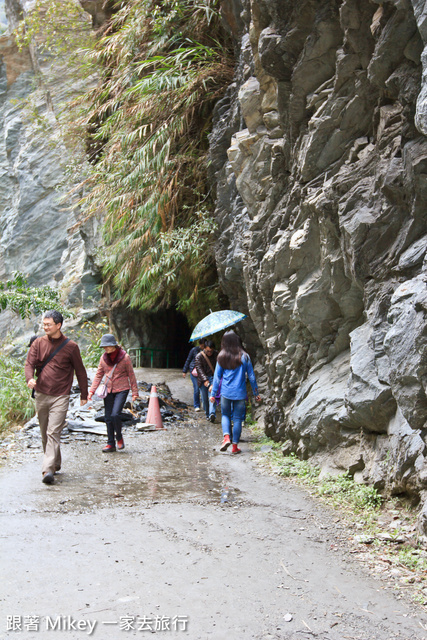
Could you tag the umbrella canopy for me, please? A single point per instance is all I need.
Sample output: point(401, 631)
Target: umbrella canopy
point(214, 322)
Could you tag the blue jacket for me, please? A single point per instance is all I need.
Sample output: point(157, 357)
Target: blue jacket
point(233, 384)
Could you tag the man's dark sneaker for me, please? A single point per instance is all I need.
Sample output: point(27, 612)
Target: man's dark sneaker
point(48, 478)
point(225, 443)
point(211, 417)
point(120, 444)
point(108, 448)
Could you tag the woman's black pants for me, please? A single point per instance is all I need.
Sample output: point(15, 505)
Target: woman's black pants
point(113, 404)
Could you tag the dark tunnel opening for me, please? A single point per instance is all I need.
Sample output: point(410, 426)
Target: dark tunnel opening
point(159, 339)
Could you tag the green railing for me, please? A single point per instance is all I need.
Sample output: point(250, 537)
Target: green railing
point(153, 357)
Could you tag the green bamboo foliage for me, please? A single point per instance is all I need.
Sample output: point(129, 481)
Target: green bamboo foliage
point(18, 296)
point(154, 72)
point(163, 67)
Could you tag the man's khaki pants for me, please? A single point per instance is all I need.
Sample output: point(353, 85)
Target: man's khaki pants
point(51, 411)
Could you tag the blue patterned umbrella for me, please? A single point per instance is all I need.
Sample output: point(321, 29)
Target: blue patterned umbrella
point(214, 322)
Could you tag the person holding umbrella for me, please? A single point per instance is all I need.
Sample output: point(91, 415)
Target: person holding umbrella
point(205, 366)
point(206, 360)
point(233, 368)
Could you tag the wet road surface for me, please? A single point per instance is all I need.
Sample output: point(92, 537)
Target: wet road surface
point(172, 537)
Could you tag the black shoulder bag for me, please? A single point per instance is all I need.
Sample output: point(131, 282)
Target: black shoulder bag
point(52, 355)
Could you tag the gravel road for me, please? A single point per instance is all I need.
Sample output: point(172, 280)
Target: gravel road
point(172, 537)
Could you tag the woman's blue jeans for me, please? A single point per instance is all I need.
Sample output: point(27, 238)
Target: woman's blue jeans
point(232, 410)
point(113, 405)
point(196, 392)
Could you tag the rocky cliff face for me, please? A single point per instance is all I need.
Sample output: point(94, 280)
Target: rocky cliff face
point(319, 157)
point(35, 226)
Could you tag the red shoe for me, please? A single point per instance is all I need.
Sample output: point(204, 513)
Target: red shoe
point(236, 449)
point(120, 444)
point(108, 448)
point(225, 443)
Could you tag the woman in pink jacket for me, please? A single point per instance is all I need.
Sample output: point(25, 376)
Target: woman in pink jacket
point(116, 366)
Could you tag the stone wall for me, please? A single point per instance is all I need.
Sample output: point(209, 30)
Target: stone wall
point(319, 157)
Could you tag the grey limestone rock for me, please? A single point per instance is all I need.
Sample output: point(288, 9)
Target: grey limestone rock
point(37, 235)
point(321, 206)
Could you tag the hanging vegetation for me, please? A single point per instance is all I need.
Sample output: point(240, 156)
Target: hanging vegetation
point(18, 296)
point(161, 67)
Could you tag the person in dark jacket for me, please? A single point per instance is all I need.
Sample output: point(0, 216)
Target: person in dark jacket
point(115, 364)
point(205, 366)
point(190, 365)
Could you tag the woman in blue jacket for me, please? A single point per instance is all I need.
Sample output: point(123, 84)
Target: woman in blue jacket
point(233, 367)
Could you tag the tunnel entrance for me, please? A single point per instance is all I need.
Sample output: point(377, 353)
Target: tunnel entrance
point(159, 339)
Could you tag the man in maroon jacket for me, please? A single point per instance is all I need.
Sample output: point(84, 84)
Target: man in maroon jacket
point(53, 385)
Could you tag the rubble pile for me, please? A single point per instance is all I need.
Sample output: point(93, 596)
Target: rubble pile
point(89, 420)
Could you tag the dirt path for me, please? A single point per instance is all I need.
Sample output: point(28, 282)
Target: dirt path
point(139, 542)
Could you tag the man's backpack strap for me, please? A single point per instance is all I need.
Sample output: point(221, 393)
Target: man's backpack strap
point(49, 358)
point(209, 362)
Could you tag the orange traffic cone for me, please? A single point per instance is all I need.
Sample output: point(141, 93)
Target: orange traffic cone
point(153, 415)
